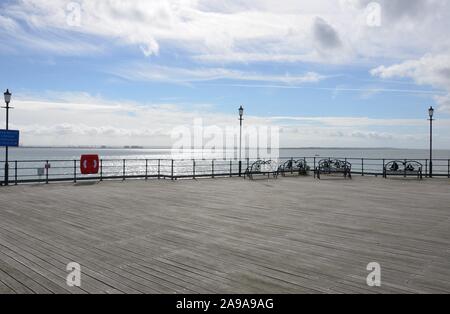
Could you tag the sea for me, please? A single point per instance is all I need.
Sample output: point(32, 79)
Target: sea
point(59, 153)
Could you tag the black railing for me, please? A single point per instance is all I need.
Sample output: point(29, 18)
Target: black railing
point(46, 171)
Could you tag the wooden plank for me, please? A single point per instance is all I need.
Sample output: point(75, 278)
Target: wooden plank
point(291, 235)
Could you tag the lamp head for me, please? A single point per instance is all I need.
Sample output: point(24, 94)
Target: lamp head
point(7, 95)
point(241, 111)
point(431, 112)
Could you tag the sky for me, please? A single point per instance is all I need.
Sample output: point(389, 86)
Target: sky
point(329, 73)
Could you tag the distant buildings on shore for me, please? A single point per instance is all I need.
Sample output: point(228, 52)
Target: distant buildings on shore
point(133, 147)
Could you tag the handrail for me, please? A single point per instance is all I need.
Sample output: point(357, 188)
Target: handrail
point(26, 171)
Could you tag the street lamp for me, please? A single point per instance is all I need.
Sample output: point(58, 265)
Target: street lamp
point(241, 114)
point(7, 96)
point(431, 113)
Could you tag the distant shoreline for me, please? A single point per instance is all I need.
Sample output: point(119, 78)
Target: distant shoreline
point(168, 147)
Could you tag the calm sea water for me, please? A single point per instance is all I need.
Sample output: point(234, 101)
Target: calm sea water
point(160, 153)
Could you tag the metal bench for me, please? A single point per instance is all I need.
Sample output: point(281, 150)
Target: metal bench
point(333, 166)
point(261, 168)
point(293, 167)
point(403, 168)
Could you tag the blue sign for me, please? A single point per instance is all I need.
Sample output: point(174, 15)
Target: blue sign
point(9, 138)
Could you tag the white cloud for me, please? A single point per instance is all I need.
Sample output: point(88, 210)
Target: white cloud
point(242, 31)
point(443, 102)
point(81, 119)
point(149, 72)
point(428, 70)
point(78, 119)
point(433, 70)
point(364, 91)
point(16, 34)
point(352, 122)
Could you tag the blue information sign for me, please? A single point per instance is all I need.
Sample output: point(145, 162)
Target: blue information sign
point(9, 138)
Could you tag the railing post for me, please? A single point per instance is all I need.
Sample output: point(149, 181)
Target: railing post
point(101, 169)
point(74, 171)
point(362, 167)
point(384, 165)
point(231, 168)
point(123, 171)
point(159, 168)
point(146, 169)
point(193, 168)
point(448, 168)
point(314, 165)
point(346, 165)
point(212, 169)
point(15, 172)
point(240, 168)
point(292, 165)
point(46, 171)
point(172, 170)
point(426, 168)
point(405, 168)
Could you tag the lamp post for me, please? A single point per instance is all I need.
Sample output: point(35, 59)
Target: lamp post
point(431, 113)
point(241, 114)
point(7, 96)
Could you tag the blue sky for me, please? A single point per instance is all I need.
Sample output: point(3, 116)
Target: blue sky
point(328, 73)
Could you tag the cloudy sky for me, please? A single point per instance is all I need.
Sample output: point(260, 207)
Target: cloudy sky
point(327, 72)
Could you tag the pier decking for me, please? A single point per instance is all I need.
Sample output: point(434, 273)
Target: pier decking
point(290, 235)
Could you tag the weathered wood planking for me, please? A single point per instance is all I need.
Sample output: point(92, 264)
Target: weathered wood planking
point(291, 235)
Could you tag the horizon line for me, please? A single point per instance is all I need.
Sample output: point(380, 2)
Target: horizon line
point(247, 148)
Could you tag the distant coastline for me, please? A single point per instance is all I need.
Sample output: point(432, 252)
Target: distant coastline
point(169, 147)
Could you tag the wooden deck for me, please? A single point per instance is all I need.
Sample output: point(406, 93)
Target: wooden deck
point(291, 235)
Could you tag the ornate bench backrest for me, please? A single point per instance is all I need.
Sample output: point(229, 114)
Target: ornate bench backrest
point(294, 165)
point(335, 164)
point(260, 166)
point(403, 165)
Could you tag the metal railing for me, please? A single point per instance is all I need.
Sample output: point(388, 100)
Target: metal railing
point(46, 171)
